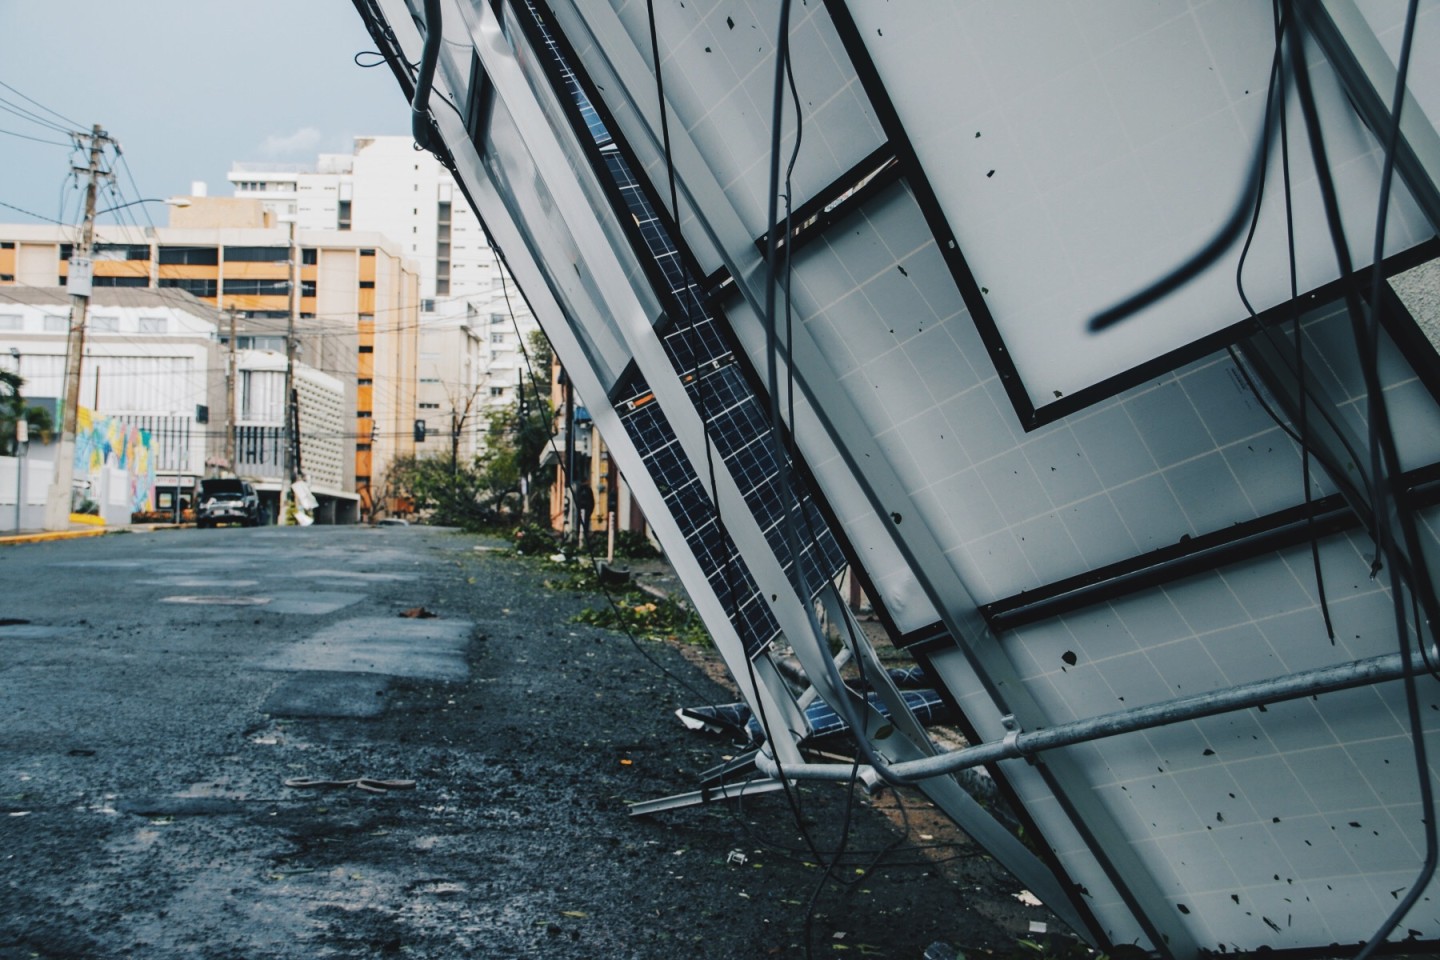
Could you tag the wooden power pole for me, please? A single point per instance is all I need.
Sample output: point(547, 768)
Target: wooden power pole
point(57, 499)
point(287, 478)
point(230, 377)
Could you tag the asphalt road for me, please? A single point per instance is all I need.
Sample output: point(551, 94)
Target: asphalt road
point(157, 692)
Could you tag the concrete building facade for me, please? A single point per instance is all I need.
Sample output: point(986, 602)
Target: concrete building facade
point(355, 312)
point(152, 360)
point(472, 321)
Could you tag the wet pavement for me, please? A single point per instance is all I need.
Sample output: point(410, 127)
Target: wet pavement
point(159, 691)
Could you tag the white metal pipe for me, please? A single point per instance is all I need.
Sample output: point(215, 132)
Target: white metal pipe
point(1016, 744)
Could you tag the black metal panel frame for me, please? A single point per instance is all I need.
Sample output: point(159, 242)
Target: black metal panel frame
point(1028, 415)
point(929, 203)
point(811, 219)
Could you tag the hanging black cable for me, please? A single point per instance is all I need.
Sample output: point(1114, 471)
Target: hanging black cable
point(843, 706)
point(1382, 447)
point(791, 794)
point(1222, 240)
point(1381, 438)
point(1276, 99)
point(420, 126)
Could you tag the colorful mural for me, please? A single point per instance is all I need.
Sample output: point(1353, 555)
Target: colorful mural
point(102, 440)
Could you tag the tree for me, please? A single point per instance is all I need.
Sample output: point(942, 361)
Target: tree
point(13, 409)
point(446, 493)
point(517, 435)
point(451, 491)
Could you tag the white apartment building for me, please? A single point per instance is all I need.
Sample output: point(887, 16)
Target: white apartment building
point(471, 354)
point(322, 428)
point(151, 361)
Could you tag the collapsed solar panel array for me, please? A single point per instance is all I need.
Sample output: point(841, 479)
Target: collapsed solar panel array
point(1101, 457)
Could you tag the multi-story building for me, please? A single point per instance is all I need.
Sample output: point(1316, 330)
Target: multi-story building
point(321, 428)
point(150, 379)
point(355, 314)
point(472, 320)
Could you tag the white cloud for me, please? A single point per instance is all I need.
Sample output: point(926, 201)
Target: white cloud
point(302, 141)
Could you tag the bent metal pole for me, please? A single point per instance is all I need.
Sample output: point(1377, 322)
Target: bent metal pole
point(1018, 744)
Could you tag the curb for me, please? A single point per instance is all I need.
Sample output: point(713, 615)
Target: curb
point(51, 535)
point(48, 535)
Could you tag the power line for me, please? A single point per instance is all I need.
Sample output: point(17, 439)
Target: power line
point(32, 117)
point(41, 105)
point(28, 213)
point(23, 136)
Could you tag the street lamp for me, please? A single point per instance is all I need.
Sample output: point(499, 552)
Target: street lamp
point(170, 202)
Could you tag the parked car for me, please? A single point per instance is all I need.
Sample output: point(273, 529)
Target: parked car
point(226, 500)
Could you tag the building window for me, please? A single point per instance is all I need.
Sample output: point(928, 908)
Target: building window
point(257, 254)
point(497, 337)
point(120, 251)
point(497, 391)
point(442, 248)
point(122, 281)
point(362, 447)
point(262, 395)
point(11, 321)
point(342, 218)
point(201, 256)
point(257, 288)
point(498, 318)
point(309, 256)
point(307, 288)
point(276, 344)
point(429, 406)
point(367, 253)
point(198, 287)
point(56, 324)
point(367, 284)
point(104, 324)
point(154, 325)
point(366, 348)
point(427, 305)
point(363, 413)
point(364, 382)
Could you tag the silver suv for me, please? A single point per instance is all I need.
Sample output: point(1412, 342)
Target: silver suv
point(227, 500)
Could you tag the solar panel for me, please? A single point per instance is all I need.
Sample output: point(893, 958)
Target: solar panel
point(1062, 526)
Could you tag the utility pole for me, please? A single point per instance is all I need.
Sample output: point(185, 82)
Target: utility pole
point(230, 401)
point(288, 473)
point(57, 500)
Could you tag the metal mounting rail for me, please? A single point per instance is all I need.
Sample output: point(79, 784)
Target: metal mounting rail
point(1017, 745)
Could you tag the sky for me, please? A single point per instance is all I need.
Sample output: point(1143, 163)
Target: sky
point(187, 87)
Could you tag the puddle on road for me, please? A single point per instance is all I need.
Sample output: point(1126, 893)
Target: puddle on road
point(115, 564)
point(194, 583)
point(34, 631)
point(312, 603)
point(355, 575)
point(218, 601)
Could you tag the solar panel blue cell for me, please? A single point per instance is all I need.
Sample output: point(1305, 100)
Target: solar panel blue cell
point(736, 419)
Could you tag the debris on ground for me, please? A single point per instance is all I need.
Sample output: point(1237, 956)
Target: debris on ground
point(367, 784)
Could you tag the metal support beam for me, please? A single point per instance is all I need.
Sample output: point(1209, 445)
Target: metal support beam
point(1019, 745)
point(1368, 76)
